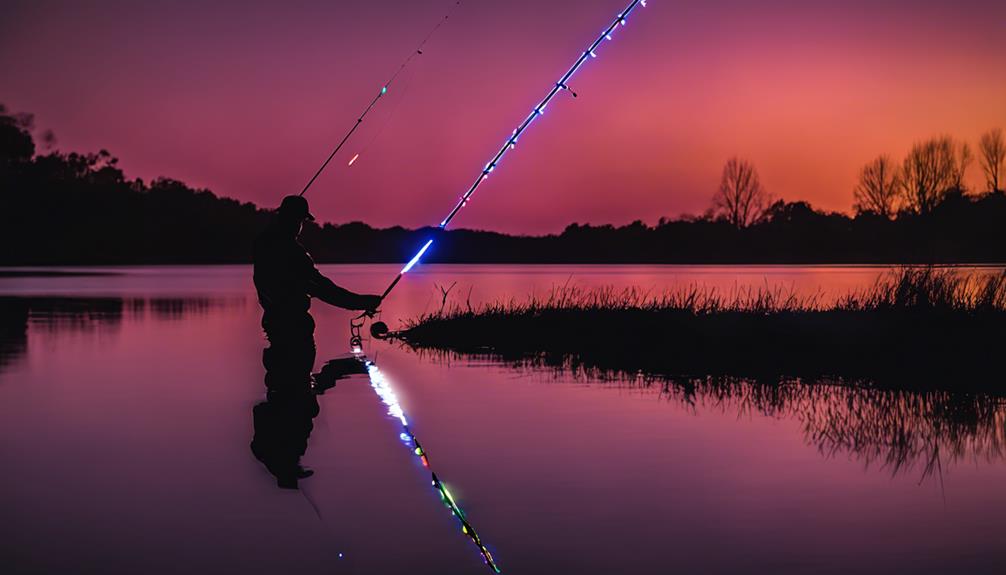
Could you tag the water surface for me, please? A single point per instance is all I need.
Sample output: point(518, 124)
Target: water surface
point(126, 416)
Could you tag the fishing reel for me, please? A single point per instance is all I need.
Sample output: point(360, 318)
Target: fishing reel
point(378, 329)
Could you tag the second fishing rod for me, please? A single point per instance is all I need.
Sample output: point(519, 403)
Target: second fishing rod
point(379, 329)
point(418, 51)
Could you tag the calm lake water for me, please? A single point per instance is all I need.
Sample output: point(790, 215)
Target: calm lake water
point(126, 416)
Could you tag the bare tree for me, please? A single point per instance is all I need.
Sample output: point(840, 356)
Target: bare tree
point(928, 173)
point(962, 159)
point(992, 156)
point(878, 188)
point(741, 199)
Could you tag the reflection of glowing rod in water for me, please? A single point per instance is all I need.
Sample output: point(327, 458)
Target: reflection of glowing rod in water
point(384, 390)
point(377, 379)
point(511, 142)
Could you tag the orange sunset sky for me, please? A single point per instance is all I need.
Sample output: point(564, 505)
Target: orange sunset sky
point(247, 98)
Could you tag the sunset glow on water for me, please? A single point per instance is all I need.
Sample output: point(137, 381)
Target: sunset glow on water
point(730, 297)
point(128, 412)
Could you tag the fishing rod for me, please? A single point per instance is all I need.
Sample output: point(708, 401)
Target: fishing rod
point(379, 383)
point(510, 143)
point(384, 90)
point(383, 388)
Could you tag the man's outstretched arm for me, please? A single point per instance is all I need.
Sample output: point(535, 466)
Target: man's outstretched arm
point(325, 289)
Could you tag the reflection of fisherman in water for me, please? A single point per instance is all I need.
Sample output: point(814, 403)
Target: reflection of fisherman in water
point(286, 280)
point(283, 422)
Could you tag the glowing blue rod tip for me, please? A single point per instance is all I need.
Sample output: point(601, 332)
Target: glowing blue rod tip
point(415, 259)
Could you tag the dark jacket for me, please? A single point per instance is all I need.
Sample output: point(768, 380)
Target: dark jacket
point(286, 278)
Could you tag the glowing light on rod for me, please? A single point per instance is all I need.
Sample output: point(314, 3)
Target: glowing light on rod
point(383, 389)
point(384, 90)
point(415, 258)
point(354, 159)
point(508, 145)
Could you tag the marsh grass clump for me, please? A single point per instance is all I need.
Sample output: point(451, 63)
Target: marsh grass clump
point(915, 323)
point(931, 289)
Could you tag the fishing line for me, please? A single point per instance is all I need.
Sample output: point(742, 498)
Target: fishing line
point(384, 125)
point(511, 141)
point(384, 90)
point(321, 519)
point(310, 501)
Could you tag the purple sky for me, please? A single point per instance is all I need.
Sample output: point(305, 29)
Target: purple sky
point(247, 98)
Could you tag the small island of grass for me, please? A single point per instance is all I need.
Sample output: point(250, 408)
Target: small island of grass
point(920, 326)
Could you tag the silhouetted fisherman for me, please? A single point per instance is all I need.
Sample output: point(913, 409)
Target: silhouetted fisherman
point(286, 279)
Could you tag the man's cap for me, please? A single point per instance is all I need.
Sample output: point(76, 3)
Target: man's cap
point(295, 207)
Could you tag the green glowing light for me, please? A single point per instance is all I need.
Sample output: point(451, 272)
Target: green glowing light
point(448, 494)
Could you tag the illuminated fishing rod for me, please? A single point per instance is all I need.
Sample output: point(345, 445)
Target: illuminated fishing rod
point(378, 382)
point(384, 90)
point(383, 388)
point(511, 142)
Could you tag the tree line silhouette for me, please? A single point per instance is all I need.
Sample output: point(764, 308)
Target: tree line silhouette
point(72, 208)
